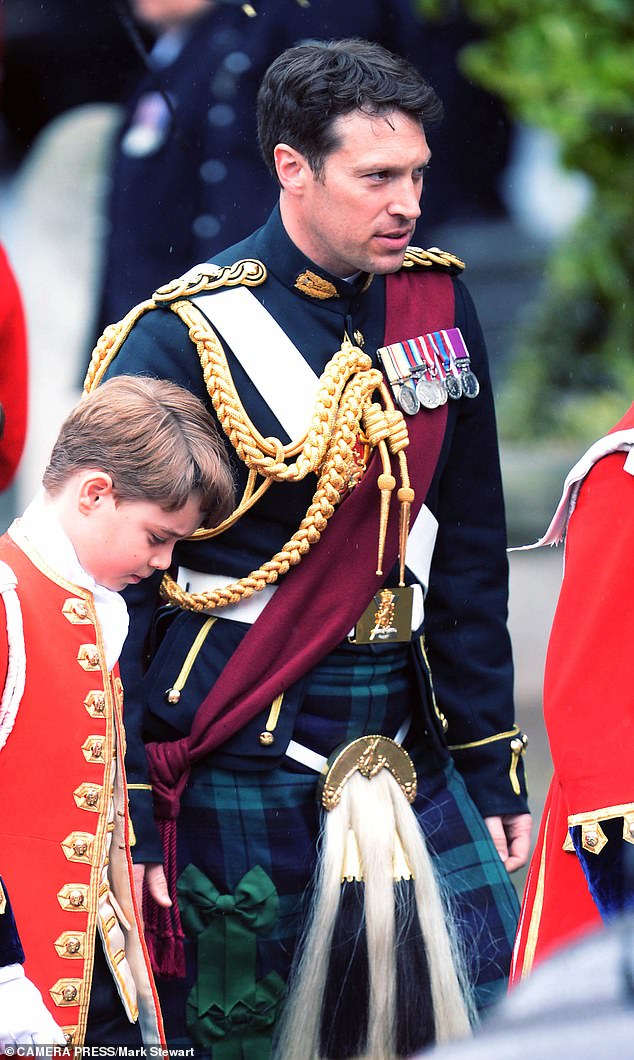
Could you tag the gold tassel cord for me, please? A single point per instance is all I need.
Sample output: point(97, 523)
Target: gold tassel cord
point(344, 413)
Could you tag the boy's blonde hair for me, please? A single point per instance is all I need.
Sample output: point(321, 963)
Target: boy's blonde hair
point(156, 441)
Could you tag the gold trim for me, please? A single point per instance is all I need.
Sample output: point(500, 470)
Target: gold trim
point(3, 899)
point(439, 714)
point(173, 694)
point(368, 756)
point(266, 738)
point(536, 913)
point(70, 1033)
point(604, 814)
point(248, 272)
point(432, 257)
point(139, 787)
point(487, 739)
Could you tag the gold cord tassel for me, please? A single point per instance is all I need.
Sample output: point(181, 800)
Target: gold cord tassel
point(386, 483)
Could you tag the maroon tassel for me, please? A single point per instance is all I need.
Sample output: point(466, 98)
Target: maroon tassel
point(163, 930)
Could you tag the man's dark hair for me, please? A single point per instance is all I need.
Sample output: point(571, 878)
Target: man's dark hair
point(309, 86)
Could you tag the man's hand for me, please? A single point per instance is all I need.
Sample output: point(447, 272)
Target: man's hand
point(511, 834)
point(154, 876)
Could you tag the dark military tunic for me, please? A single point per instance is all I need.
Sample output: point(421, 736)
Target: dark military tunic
point(251, 805)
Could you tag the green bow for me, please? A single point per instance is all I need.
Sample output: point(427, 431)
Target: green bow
point(226, 999)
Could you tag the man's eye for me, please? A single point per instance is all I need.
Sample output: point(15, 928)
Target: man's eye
point(154, 540)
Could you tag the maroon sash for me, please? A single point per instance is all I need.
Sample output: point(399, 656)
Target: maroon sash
point(317, 603)
point(313, 609)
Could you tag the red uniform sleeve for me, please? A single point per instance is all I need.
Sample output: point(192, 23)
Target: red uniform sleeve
point(588, 686)
point(13, 373)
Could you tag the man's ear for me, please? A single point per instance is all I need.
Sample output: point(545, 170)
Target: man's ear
point(292, 168)
point(95, 487)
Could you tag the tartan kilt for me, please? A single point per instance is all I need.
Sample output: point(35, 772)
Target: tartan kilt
point(232, 821)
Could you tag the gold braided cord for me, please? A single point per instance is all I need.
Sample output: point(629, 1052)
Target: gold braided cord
point(432, 258)
point(108, 345)
point(248, 272)
point(343, 408)
point(269, 456)
point(344, 413)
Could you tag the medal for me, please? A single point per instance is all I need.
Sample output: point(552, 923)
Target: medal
point(436, 390)
point(427, 393)
point(451, 375)
point(459, 356)
point(408, 399)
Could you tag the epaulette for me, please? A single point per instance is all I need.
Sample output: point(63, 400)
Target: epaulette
point(248, 272)
point(416, 257)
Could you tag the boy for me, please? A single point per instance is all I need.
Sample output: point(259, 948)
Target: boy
point(137, 465)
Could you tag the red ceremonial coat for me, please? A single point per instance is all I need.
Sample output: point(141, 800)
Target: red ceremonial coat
point(588, 706)
point(64, 826)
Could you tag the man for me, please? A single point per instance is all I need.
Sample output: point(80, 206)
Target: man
point(272, 681)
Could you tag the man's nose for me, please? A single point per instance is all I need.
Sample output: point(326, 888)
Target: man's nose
point(406, 202)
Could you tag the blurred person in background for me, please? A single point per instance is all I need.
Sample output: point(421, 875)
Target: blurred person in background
point(186, 177)
point(13, 373)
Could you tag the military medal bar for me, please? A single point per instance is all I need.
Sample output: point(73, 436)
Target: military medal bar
point(428, 369)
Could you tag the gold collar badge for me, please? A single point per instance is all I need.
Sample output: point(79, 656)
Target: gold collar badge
point(315, 286)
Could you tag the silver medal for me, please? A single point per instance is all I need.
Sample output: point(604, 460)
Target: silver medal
point(408, 400)
point(453, 385)
point(470, 385)
point(427, 393)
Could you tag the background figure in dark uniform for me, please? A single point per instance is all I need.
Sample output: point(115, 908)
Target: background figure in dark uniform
point(186, 177)
point(248, 692)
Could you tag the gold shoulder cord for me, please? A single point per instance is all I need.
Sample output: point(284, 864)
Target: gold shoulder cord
point(344, 411)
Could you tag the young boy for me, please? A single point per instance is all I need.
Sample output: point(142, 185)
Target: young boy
point(137, 465)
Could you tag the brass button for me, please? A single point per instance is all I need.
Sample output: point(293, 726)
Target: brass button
point(76, 898)
point(92, 797)
point(73, 944)
point(69, 993)
point(95, 703)
point(80, 846)
point(172, 695)
point(266, 739)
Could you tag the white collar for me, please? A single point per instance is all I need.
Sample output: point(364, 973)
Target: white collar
point(41, 529)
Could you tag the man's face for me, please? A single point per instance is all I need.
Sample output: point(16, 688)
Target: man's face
point(360, 214)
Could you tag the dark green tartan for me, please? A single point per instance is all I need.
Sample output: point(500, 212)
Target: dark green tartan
point(232, 821)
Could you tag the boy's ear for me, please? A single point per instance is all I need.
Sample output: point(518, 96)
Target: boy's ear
point(94, 488)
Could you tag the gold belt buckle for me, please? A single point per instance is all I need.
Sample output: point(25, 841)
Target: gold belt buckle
point(387, 619)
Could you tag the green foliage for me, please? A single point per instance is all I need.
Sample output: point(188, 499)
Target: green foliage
point(569, 67)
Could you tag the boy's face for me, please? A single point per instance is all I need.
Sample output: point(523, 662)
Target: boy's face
point(132, 539)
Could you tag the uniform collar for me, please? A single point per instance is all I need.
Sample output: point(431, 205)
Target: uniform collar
point(294, 270)
point(39, 529)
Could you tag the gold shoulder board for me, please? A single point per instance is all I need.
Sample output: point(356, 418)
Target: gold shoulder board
point(416, 257)
point(209, 277)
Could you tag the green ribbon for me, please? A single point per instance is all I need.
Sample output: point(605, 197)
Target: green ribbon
point(226, 1001)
